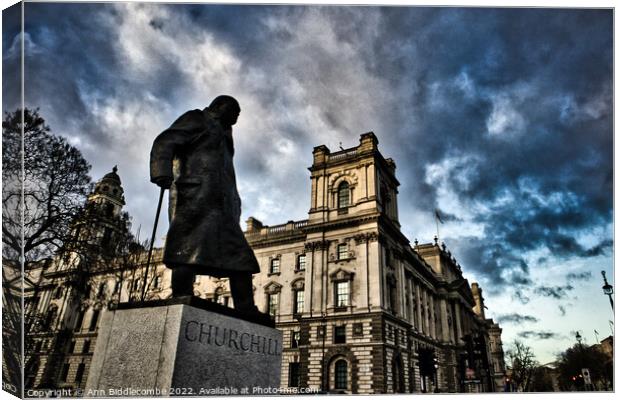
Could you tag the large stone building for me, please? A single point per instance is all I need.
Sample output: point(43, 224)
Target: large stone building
point(362, 310)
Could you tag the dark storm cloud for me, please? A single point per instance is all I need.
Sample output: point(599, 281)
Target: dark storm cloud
point(556, 292)
point(581, 276)
point(541, 157)
point(542, 335)
point(499, 118)
point(520, 297)
point(515, 318)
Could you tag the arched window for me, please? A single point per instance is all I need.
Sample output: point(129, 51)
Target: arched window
point(298, 296)
point(340, 375)
point(343, 195)
point(272, 294)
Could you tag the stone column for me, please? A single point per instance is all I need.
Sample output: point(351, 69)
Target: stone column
point(425, 324)
point(432, 316)
point(418, 295)
point(402, 289)
point(445, 326)
point(459, 329)
point(372, 185)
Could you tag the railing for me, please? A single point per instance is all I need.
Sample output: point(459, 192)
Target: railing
point(288, 227)
point(300, 224)
point(342, 154)
point(276, 228)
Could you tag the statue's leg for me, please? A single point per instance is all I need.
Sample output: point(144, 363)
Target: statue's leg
point(241, 290)
point(182, 281)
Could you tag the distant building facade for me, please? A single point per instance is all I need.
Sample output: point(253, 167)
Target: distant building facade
point(362, 310)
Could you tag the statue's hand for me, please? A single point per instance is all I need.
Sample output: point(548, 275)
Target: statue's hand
point(163, 181)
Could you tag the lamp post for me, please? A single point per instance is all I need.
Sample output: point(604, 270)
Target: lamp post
point(324, 332)
point(608, 290)
point(581, 381)
point(298, 317)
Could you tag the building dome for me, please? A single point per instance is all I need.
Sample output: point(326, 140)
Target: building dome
point(112, 176)
point(110, 186)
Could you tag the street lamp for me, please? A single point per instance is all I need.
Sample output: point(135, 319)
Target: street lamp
point(578, 337)
point(608, 290)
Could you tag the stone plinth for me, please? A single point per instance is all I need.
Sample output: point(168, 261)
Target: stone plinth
point(186, 344)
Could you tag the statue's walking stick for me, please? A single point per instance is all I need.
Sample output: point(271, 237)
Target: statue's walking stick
point(148, 259)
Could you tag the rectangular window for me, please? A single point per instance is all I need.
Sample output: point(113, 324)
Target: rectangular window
point(295, 336)
point(275, 266)
point(65, 372)
point(93, 321)
point(293, 374)
point(342, 251)
point(301, 262)
point(117, 286)
point(78, 322)
point(72, 347)
point(80, 372)
point(342, 294)
point(273, 304)
point(298, 306)
point(86, 347)
point(340, 334)
point(156, 282)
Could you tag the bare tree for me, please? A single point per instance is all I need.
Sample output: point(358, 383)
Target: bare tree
point(44, 183)
point(53, 179)
point(522, 362)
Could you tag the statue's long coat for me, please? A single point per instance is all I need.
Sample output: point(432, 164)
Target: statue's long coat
point(204, 203)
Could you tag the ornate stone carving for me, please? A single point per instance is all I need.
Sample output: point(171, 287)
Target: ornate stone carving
point(273, 288)
point(341, 275)
point(365, 237)
point(317, 245)
point(298, 284)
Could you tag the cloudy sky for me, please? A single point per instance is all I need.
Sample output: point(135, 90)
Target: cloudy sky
point(500, 118)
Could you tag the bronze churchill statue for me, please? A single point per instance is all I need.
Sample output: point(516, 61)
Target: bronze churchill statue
point(194, 159)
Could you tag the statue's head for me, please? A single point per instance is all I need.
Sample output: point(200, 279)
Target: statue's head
point(226, 108)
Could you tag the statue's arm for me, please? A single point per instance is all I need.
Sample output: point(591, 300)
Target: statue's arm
point(168, 143)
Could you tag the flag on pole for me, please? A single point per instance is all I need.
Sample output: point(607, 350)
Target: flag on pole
point(438, 216)
point(595, 331)
point(437, 221)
